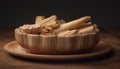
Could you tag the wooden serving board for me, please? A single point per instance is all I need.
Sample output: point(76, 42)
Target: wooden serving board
point(15, 49)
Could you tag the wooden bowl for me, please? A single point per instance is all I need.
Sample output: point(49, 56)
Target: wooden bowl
point(53, 44)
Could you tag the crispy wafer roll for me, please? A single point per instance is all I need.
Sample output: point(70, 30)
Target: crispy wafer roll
point(73, 24)
point(88, 29)
point(39, 18)
point(72, 32)
point(63, 33)
point(43, 22)
point(68, 33)
point(51, 24)
point(85, 25)
point(55, 26)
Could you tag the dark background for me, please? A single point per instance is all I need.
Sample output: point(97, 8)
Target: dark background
point(14, 13)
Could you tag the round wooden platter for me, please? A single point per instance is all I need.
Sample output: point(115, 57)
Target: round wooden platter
point(15, 49)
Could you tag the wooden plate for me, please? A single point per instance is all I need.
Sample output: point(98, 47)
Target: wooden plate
point(15, 49)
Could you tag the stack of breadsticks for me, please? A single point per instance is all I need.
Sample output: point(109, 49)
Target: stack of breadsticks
point(52, 26)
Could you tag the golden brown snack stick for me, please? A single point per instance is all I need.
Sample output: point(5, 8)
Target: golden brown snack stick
point(68, 33)
point(44, 21)
point(72, 32)
point(88, 29)
point(44, 31)
point(50, 23)
point(89, 23)
point(55, 26)
point(63, 33)
point(48, 28)
point(85, 25)
point(39, 18)
point(60, 21)
point(73, 24)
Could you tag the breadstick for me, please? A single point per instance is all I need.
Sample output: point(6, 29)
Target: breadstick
point(73, 24)
point(38, 19)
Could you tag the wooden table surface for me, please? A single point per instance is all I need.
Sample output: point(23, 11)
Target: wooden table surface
point(110, 61)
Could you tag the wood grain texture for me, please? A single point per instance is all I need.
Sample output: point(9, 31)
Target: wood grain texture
point(111, 61)
point(15, 49)
point(52, 44)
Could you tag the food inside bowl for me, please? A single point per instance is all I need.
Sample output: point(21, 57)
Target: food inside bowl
point(53, 26)
point(49, 35)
